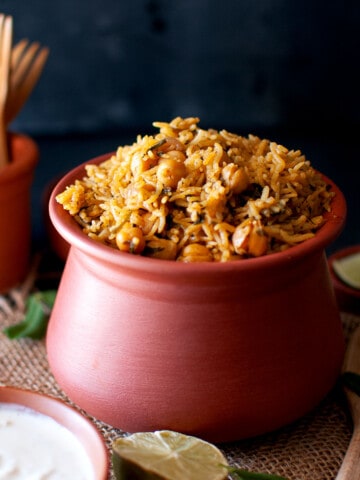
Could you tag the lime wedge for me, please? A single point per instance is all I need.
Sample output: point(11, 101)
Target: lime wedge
point(348, 269)
point(167, 455)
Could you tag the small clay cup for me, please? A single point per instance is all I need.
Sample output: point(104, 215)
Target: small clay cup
point(15, 210)
point(348, 298)
point(218, 350)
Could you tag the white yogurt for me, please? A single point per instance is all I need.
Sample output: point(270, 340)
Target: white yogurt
point(34, 446)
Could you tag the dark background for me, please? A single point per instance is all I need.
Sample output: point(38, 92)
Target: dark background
point(281, 69)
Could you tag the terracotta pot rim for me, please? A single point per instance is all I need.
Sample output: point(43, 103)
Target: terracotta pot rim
point(22, 164)
point(71, 232)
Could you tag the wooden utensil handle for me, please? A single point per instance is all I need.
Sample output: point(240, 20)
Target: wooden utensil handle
point(350, 468)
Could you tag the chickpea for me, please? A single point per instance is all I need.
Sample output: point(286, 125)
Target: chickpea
point(162, 248)
point(195, 252)
point(240, 238)
point(251, 239)
point(141, 163)
point(258, 242)
point(170, 172)
point(146, 222)
point(235, 178)
point(130, 239)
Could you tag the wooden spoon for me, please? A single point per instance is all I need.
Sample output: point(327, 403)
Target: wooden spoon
point(350, 468)
point(27, 63)
point(6, 30)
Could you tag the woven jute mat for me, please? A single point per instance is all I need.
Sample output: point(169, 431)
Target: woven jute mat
point(310, 449)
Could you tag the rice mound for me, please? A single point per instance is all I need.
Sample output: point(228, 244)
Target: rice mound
point(190, 194)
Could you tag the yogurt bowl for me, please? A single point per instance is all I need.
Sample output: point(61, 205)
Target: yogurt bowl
point(53, 430)
point(221, 350)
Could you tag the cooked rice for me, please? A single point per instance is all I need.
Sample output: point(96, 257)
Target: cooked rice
point(190, 194)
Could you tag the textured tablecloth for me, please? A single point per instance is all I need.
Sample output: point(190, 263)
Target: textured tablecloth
point(312, 448)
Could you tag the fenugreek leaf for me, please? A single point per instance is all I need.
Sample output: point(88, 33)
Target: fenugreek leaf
point(37, 313)
point(240, 474)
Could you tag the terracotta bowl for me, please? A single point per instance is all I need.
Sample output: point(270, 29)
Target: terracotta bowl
point(348, 298)
point(219, 350)
point(68, 417)
point(15, 218)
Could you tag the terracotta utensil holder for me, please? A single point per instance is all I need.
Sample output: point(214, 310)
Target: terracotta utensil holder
point(15, 210)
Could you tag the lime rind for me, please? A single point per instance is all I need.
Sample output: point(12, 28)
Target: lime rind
point(167, 455)
point(348, 270)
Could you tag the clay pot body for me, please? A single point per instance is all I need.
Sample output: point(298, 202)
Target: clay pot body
point(223, 351)
point(15, 210)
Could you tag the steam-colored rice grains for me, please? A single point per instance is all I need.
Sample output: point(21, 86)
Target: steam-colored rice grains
point(190, 194)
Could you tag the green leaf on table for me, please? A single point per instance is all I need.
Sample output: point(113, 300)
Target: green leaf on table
point(351, 380)
point(37, 313)
point(240, 474)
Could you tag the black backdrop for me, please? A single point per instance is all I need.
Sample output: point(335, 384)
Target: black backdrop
point(236, 63)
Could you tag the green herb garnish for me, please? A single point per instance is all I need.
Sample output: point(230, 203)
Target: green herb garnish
point(37, 313)
point(351, 380)
point(241, 474)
